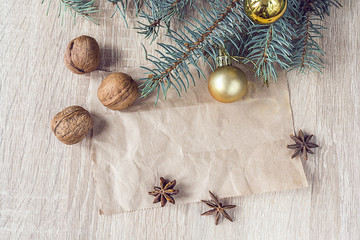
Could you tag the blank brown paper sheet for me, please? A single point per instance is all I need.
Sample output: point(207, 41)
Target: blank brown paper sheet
point(231, 149)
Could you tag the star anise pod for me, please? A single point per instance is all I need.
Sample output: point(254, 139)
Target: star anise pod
point(302, 145)
point(217, 209)
point(163, 193)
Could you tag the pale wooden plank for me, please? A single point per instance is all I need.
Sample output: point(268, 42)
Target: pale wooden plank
point(328, 106)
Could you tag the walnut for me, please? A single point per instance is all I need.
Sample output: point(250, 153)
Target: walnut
point(118, 91)
point(72, 124)
point(82, 55)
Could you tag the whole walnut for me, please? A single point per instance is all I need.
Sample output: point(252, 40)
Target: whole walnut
point(82, 55)
point(72, 124)
point(118, 91)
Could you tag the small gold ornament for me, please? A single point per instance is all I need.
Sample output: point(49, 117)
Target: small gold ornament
point(265, 11)
point(227, 83)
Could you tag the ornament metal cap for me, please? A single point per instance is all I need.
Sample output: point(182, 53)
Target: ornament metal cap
point(223, 59)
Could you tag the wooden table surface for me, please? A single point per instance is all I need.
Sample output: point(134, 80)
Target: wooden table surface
point(46, 188)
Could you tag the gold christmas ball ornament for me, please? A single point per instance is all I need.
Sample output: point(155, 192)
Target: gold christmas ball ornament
point(265, 11)
point(72, 124)
point(227, 84)
point(82, 55)
point(118, 91)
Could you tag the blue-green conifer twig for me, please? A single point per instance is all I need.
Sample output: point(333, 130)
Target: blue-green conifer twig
point(196, 41)
point(122, 5)
point(83, 8)
point(159, 13)
point(306, 52)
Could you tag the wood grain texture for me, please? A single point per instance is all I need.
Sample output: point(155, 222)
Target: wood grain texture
point(46, 188)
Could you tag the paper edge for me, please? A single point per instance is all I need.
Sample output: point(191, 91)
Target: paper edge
point(102, 212)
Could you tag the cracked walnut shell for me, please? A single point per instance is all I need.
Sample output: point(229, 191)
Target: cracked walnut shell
point(118, 91)
point(82, 55)
point(72, 124)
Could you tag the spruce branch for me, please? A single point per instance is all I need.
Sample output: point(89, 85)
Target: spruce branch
point(198, 42)
point(311, 52)
point(268, 46)
point(83, 8)
point(307, 54)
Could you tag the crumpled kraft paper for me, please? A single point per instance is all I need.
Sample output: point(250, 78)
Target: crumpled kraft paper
point(231, 149)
